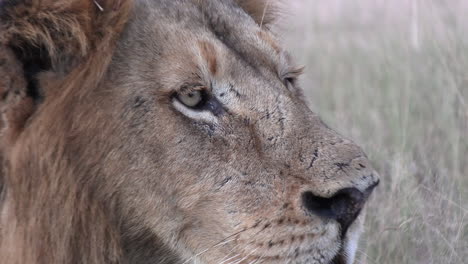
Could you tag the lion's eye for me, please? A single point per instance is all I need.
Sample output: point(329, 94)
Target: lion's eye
point(289, 82)
point(290, 78)
point(197, 103)
point(192, 99)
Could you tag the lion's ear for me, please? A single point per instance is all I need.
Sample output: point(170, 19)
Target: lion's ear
point(264, 12)
point(47, 36)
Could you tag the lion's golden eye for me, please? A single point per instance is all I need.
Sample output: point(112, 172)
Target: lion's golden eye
point(198, 103)
point(192, 99)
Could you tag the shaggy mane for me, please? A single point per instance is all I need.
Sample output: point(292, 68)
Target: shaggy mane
point(48, 209)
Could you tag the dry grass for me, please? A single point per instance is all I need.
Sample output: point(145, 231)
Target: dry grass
point(393, 75)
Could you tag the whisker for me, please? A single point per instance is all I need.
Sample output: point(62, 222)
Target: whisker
point(224, 261)
point(264, 253)
point(367, 256)
point(206, 250)
point(236, 255)
point(246, 257)
point(264, 13)
point(98, 6)
point(231, 252)
point(258, 258)
point(255, 261)
point(237, 246)
point(218, 244)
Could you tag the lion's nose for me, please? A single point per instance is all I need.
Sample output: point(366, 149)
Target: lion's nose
point(343, 207)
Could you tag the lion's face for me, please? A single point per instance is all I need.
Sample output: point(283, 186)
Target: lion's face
point(206, 145)
point(224, 161)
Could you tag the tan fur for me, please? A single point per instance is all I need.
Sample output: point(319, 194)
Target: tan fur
point(31, 234)
point(209, 55)
point(268, 39)
point(102, 164)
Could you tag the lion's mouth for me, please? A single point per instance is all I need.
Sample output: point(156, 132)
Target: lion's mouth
point(333, 247)
point(348, 248)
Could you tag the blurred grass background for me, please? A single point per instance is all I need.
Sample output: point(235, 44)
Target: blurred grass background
point(393, 76)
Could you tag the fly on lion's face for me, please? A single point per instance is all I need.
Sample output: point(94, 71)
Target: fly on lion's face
point(182, 132)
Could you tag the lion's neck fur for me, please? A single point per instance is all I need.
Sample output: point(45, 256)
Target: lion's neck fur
point(50, 210)
point(51, 214)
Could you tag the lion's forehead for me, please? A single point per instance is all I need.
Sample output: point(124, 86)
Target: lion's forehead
point(209, 40)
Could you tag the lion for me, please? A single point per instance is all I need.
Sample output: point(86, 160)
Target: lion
point(166, 131)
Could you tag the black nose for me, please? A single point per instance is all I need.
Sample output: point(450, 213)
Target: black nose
point(343, 207)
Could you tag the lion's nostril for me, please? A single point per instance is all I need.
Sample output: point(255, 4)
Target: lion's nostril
point(346, 204)
point(343, 207)
point(318, 205)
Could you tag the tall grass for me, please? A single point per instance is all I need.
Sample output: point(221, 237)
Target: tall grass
point(393, 76)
